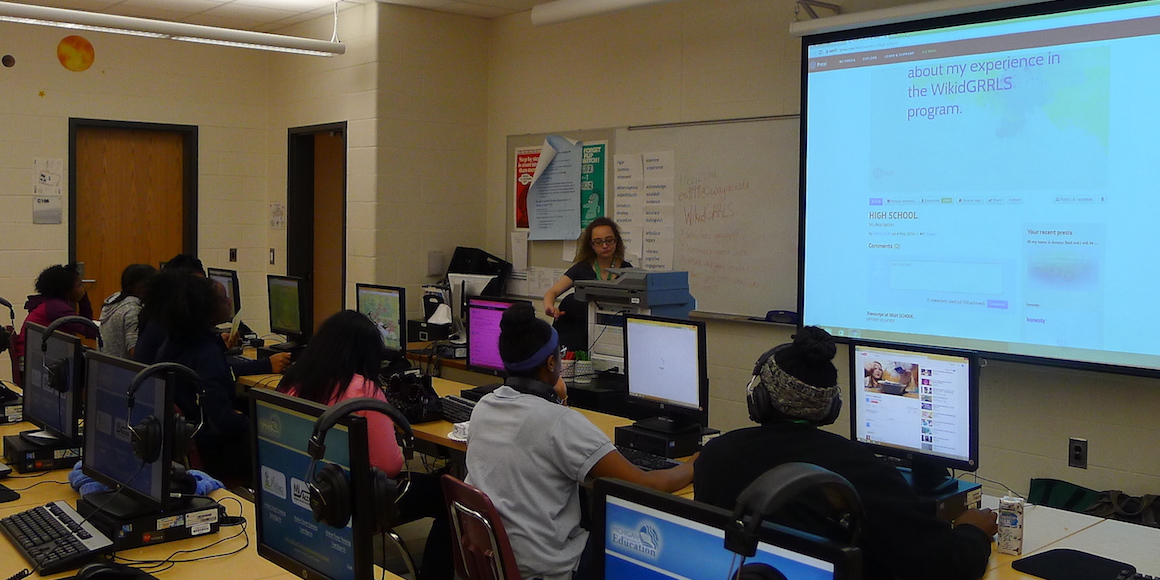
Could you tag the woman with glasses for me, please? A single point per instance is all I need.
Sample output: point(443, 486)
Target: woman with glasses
point(528, 452)
point(600, 247)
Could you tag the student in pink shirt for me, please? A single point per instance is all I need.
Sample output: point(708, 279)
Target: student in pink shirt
point(341, 362)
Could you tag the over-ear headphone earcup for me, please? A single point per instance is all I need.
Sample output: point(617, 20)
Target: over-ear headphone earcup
point(330, 496)
point(146, 439)
point(182, 437)
point(58, 375)
point(760, 407)
point(385, 491)
point(832, 414)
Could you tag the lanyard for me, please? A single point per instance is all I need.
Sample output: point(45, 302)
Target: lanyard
point(599, 274)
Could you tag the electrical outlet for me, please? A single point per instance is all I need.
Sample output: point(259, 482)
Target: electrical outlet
point(1077, 452)
point(271, 256)
point(233, 254)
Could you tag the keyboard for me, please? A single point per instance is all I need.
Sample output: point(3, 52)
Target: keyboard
point(53, 539)
point(645, 460)
point(456, 409)
point(1130, 575)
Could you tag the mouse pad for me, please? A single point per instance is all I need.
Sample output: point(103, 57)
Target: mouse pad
point(1067, 564)
point(7, 495)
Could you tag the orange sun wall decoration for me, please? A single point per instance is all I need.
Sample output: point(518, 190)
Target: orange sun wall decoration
point(75, 53)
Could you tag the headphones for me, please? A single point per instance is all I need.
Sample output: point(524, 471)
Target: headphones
point(779, 487)
point(530, 386)
point(148, 436)
point(330, 488)
point(6, 331)
point(58, 371)
point(760, 402)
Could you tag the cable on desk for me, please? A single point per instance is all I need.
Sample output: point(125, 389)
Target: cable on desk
point(155, 566)
point(265, 383)
point(40, 483)
point(999, 483)
point(21, 575)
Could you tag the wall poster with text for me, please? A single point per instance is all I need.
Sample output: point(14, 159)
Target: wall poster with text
point(526, 160)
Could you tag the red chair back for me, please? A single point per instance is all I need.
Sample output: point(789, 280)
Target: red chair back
point(481, 547)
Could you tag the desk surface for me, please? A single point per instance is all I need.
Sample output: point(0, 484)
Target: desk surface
point(245, 565)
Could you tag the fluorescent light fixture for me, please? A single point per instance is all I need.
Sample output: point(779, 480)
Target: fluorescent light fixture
point(896, 14)
point(564, 10)
point(79, 20)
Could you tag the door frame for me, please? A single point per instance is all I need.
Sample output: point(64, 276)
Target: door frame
point(189, 177)
point(300, 203)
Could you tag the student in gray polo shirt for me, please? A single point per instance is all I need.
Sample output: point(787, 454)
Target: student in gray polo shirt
point(528, 452)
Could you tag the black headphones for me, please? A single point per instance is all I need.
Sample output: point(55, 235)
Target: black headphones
point(330, 488)
point(760, 403)
point(530, 386)
point(6, 331)
point(58, 371)
point(148, 436)
point(780, 486)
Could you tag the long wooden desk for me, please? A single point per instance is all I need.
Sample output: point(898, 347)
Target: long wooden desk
point(244, 565)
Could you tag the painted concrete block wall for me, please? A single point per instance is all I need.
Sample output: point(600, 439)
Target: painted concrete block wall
point(706, 59)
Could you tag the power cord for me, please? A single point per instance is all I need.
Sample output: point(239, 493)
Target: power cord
point(155, 566)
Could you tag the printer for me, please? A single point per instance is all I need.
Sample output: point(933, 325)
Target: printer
point(659, 293)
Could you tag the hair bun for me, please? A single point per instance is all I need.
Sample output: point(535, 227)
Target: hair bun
point(815, 345)
point(517, 317)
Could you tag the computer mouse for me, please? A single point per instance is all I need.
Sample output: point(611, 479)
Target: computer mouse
point(111, 571)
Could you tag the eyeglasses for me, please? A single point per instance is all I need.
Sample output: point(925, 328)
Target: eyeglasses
point(604, 242)
point(563, 351)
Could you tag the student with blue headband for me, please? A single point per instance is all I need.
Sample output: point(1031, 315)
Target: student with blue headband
point(528, 452)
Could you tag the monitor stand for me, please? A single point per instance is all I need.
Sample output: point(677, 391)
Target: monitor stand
point(288, 346)
point(931, 480)
point(668, 425)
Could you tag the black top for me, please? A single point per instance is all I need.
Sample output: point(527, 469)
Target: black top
point(225, 430)
point(573, 324)
point(585, 271)
point(899, 540)
point(152, 336)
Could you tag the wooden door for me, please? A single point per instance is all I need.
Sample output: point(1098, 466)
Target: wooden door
point(316, 215)
point(130, 198)
point(329, 223)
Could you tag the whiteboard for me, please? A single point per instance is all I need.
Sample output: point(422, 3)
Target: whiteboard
point(736, 209)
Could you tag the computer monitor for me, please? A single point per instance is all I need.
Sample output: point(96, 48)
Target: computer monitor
point(229, 279)
point(289, 309)
point(53, 382)
point(920, 404)
point(108, 451)
point(386, 306)
point(643, 533)
point(287, 534)
point(464, 286)
point(483, 315)
point(667, 370)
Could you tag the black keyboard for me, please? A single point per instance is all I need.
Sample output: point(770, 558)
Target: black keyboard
point(645, 460)
point(1130, 575)
point(53, 539)
point(456, 409)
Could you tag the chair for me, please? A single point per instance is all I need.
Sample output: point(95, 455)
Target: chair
point(482, 548)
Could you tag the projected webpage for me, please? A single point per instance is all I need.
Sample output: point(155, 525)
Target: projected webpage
point(913, 401)
point(988, 186)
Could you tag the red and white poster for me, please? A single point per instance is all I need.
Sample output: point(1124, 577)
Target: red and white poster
point(526, 160)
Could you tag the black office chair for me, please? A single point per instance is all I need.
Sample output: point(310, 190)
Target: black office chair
point(802, 496)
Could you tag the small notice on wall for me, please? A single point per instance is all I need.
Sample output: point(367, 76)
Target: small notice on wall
point(48, 209)
point(278, 216)
point(47, 177)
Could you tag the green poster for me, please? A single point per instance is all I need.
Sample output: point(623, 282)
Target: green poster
point(593, 178)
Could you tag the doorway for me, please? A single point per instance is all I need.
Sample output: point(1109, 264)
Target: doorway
point(132, 197)
point(316, 215)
